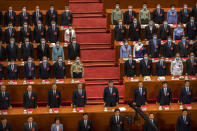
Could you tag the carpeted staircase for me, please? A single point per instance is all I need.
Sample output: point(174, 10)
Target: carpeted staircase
point(90, 23)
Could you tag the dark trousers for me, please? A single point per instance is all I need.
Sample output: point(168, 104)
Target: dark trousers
point(77, 75)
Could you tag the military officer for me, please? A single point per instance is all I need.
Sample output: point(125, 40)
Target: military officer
point(144, 14)
point(117, 14)
point(176, 66)
point(172, 15)
point(77, 69)
point(178, 33)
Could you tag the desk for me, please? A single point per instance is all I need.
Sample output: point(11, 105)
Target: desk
point(100, 119)
point(154, 85)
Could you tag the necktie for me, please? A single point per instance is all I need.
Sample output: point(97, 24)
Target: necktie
point(158, 11)
point(110, 90)
point(42, 47)
point(54, 92)
point(30, 125)
point(141, 91)
point(169, 44)
point(187, 89)
point(165, 91)
point(12, 67)
point(29, 93)
point(45, 65)
point(85, 123)
point(80, 92)
point(3, 94)
point(24, 14)
point(10, 30)
point(130, 62)
point(117, 119)
point(10, 13)
point(184, 118)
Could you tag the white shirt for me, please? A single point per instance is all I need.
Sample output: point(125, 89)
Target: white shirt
point(67, 35)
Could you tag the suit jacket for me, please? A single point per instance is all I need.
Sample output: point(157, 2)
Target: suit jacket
point(186, 98)
point(53, 35)
point(148, 127)
point(138, 98)
point(39, 33)
point(23, 19)
point(51, 17)
point(1, 34)
point(120, 33)
point(12, 53)
point(1, 17)
point(134, 32)
point(24, 34)
point(154, 51)
point(12, 74)
point(184, 17)
point(59, 70)
point(130, 69)
point(158, 18)
point(161, 70)
point(7, 127)
point(34, 127)
point(146, 70)
point(191, 30)
point(10, 19)
point(79, 100)
point(73, 53)
point(128, 18)
point(9, 35)
point(4, 101)
point(191, 68)
point(81, 125)
point(54, 127)
point(194, 49)
point(169, 51)
point(194, 13)
point(35, 19)
point(183, 50)
point(1, 71)
point(165, 99)
point(66, 18)
point(30, 72)
point(27, 51)
point(57, 52)
point(148, 34)
point(116, 125)
point(111, 99)
point(182, 125)
point(164, 33)
point(54, 100)
point(41, 52)
point(2, 53)
point(29, 101)
point(44, 73)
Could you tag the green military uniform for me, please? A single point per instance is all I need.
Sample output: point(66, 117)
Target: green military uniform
point(77, 70)
point(117, 14)
point(144, 16)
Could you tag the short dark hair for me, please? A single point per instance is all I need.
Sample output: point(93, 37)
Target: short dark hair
point(84, 114)
point(140, 82)
point(164, 82)
point(184, 110)
point(117, 109)
point(187, 81)
point(172, 5)
point(151, 113)
point(111, 81)
point(57, 118)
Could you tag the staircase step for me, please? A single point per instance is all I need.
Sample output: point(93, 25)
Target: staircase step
point(99, 64)
point(84, 1)
point(88, 15)
point(81, 7)
point(90, 30)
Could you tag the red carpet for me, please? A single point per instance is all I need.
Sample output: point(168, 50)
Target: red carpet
point(84, 0)
point(86, 7)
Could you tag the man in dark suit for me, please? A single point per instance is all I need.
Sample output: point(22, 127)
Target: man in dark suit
point(191, 29)
point(140, 95)
point(147, 126)
point(164, 31)
point(194, 12)
point(53, 33)
point(44, 69)
point(1, 71)
point(27, 50)
point(130, 67)
point(43, 50)
point(37, 15)
point(154, 47)
point(191, 65)
point(66, 17)
point(29, 69)
point(183, 122)
point(24, 16)
point(25, 32)
point(79, 96)
point(85, 124)
point(146, 66)
point(30, 125)
point(120, 31)
point(169, 48)
point(29, 98)
point(39, 32)
point(1, 17)
point(4, 98)
point(183, 47)
point(194, 48)
point(134, 31)
point(2, 52)
point(10, 17)
point(12, 71)
point(12, 50)
point(184, 14)
point(186, 94)
point(54, 97)
point(111, 95)
point(117, 121)
point(10, 32)
point(161, 67)
point(150, 30)
point(51, 15)
point(158, 15)
point(129, 15)
point(4, 126)
point(59, 68)
point(1, 34)
point(165, 94)
point(73, 50)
